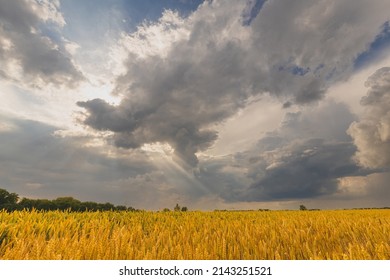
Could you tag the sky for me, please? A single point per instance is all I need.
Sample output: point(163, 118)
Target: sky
point(209, 104)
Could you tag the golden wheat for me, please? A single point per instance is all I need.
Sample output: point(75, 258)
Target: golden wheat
point(291, 235)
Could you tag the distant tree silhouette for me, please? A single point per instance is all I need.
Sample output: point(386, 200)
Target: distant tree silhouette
point(177, 207)
point(302, 207)
point(9, 201)
point(120, 208)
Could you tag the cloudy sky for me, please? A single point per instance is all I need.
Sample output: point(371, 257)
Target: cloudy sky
point(209, 104)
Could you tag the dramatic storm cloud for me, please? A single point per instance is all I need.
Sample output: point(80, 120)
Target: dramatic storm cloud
point(195, 72)
point(304, 158)
point(211, 104)
point(307, 170)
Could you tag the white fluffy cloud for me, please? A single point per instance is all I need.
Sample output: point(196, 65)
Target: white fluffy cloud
point(28, 53)
point(371, 133)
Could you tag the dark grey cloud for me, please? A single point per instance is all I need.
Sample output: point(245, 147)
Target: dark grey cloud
point(38, 162)
point(24, 44)
point(173, 102)
point(222, 176)
point(303, 159)
point(309, 170)
point(292, 51)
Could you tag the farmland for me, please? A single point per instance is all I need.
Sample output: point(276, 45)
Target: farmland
point(114, 235)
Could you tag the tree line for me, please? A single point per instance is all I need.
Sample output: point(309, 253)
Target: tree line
point(11, 202)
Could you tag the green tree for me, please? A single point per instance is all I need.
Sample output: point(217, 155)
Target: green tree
point(107, 206)
point(302, 207)
point(120, 208)
point(68, 202)
point(8, 200)
point(44, 204)
point(89, 206)
point(184, 209)
point(26, 203)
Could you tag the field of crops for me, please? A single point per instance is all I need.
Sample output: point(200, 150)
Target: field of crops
point(349, 234)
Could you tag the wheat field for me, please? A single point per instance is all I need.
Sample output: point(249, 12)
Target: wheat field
point(272, 235)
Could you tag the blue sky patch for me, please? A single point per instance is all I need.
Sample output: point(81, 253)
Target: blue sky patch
point(249, 16)
point(295, 70)
point(94, 19)
point(381, 42)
